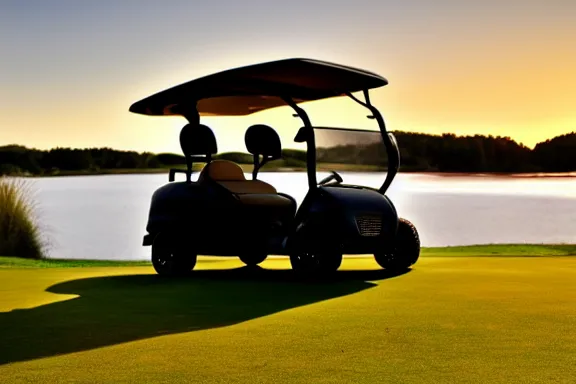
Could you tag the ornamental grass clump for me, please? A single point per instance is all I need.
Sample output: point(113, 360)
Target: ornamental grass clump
point(20, 235)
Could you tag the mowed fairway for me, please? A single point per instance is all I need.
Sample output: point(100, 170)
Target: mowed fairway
point(450, 319)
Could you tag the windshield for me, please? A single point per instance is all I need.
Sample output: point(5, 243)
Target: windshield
point(352, 150)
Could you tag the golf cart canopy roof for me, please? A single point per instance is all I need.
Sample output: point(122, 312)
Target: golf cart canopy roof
point(250, 89)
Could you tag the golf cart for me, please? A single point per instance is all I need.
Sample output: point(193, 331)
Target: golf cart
point(225, 213)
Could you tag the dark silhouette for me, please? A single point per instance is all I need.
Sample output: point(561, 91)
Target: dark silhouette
point(557, 154)
point(113, 310)
point(251, 218)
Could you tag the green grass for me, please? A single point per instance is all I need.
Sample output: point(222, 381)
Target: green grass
point(525, 250)
point(15, 262)
point(450, 319)
point(19, 233)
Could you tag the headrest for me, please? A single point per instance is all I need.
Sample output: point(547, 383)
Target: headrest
point(263, 140)
point(222, 170)
point(197, 140)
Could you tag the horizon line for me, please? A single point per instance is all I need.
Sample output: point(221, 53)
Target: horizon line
point(239, 151)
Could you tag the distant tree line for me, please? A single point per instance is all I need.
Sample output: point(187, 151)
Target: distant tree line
point(16, 159)
point(451, 153)
point(419, 152)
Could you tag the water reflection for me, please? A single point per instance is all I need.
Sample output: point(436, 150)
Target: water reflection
point(103, 217)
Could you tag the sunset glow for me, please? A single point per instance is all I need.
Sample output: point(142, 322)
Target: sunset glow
point(69, 71)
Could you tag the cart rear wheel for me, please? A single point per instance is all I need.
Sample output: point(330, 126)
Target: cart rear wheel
point(171, 260)
point(253, 259)
point(308, 262)
point(406, 249)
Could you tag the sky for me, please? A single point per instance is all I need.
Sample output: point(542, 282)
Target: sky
point(69, 70)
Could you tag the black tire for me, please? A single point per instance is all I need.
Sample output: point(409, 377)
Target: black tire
point(253, 259)
point(406, 249)
point(171, 260)
point(322, 263)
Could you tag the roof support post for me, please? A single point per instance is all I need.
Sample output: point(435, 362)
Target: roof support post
point(392, 150)
point(192, 115)
point(310, 142)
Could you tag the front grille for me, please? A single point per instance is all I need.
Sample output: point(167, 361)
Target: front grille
point(369, 225)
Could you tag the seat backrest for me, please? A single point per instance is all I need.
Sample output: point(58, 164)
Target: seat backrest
point(198, 144)
point(262, 140)
point(198, 140)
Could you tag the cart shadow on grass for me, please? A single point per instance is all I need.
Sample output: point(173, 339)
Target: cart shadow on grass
point(117, 309)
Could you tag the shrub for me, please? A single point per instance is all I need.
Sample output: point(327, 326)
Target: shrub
point(10, 170)
point(19, 233)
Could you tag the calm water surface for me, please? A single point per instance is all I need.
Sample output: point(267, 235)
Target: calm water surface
point(104, 217)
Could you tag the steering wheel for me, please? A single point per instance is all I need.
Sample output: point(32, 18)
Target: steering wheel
point(333, 176)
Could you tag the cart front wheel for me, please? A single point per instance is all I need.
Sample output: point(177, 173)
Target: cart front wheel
point(405, 251)
point(308, 262)
point(170, 260)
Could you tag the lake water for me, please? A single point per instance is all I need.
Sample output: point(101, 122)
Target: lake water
point(104, 217)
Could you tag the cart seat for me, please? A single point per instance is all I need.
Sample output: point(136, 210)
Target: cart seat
point(250, 192)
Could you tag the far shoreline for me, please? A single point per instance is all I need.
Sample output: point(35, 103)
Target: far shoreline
point(248, 168)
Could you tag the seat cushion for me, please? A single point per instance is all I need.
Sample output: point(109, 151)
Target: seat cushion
point(250, 192)
point(248, 187)
point(265, 199)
